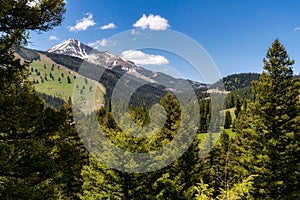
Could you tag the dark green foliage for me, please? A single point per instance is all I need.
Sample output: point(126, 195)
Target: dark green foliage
point(140, 115)
point(52, 101)
point(230, 100)
point(39, 147)
point(172, 182)
point(236, 81)
point(69, 79)
point(71, 156)
point(244, 94)
point(234, 125)
point(148, 95)
point(269, 130)
point(205, 114)
point(228, 120)
point(238, 107)
point(25, 17)
point(27, 54)
point(217, 171)
point(41, 155)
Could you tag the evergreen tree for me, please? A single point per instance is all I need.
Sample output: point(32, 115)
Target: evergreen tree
point(228, 120)
point(172, 182)
point(238, 107)
point(230, 101)
point(269, 132)
point(26, 165)
point(71, 155)
point(69, 79)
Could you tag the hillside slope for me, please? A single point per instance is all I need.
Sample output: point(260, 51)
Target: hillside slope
point(59, 81)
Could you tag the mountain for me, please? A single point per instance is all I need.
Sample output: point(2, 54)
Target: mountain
point(150, 86)
point(72, 47)
point(75, 48)
point(72, 54)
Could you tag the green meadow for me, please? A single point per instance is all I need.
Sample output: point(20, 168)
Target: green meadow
point(56, 80)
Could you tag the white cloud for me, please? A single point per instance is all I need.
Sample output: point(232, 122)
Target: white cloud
point(153, 22)
point(53, 37)
point(140, 57)
point(108, 26)
point(297, 28)
point(83, 24)
point(101, 43)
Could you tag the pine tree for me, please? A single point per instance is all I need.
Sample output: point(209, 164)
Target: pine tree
point(269, 132)
point(69, 79)
point(26, 164)
point(228, 120)
point(71, 155)
point(238, 107)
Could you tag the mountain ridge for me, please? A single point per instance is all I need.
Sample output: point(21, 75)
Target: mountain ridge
point(75, 48)
point(149, 93)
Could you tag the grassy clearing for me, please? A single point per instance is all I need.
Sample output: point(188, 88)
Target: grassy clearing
point(62, 82)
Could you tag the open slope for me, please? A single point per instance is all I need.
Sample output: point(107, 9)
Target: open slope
point(56, 80)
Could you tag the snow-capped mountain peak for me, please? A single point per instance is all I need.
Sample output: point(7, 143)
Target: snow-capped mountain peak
point(72, 47)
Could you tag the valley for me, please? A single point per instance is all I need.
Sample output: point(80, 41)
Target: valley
point(83, 124)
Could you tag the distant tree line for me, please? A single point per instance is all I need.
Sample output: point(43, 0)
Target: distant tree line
point(27, 54)
point(236, 81)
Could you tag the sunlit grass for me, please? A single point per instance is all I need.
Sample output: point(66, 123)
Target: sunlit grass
point(89, 91)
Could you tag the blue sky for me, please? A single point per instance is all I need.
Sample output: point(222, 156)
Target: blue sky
point(235, 33)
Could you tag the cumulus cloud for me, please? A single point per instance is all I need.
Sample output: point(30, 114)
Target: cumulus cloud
point(83, 24)
point(53, 38)
point(140, 57)
point(153, 22)
point(108, 26)
point(297, 28)
point(101, 43)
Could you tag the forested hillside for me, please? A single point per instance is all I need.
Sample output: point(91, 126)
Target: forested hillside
point(237, 81)
point(145, 95)
point(252, 154)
